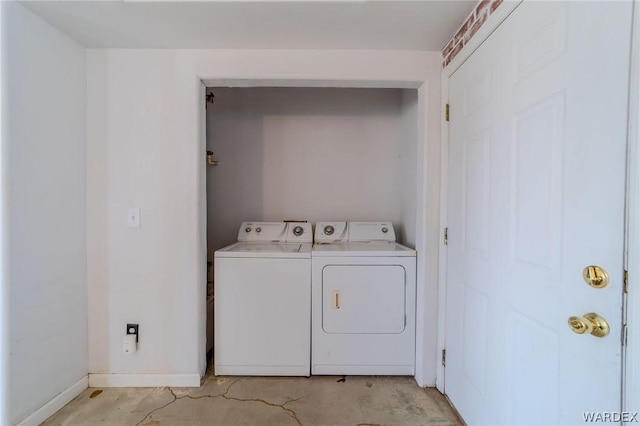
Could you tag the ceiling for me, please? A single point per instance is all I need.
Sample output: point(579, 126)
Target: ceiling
point(267, 24)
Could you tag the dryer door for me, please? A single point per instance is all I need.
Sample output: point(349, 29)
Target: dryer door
point(363, 299)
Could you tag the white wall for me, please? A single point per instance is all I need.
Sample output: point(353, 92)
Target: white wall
point(313, 154)
point(145, 150)
point(45, 100)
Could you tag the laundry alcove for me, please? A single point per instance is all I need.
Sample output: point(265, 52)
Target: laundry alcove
point(309, 153)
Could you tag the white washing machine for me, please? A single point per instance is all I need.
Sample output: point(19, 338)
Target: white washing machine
point(262, 311)
point(363, 300)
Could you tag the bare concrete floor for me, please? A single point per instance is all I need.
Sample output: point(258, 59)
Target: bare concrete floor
point(235, 401)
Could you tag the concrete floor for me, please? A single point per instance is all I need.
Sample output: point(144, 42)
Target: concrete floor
point(235, 401)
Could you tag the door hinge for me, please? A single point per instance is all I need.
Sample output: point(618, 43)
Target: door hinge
point(444, 357)
point(446, 236)
point(625, 280)
point(446, 112)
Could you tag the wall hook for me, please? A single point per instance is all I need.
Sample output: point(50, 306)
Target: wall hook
point(210, 160)
point(209, 99)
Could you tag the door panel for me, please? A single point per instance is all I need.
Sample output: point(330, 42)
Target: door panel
point(262, 316)
point(533, 358)
point(537, 148)
point(476, 322)
point(537, 154)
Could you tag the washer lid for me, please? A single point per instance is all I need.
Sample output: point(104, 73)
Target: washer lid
point(262, 249)
point(364, 249)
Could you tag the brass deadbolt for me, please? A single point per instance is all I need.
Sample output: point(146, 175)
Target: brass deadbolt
point(595, 276)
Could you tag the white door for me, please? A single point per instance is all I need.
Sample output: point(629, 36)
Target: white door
point(536, 193)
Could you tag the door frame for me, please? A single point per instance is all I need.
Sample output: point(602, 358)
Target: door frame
point(426, 187)
point(490, 25)
point(631, 372)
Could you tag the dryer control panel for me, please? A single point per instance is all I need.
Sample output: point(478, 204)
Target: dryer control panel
point(371, 231)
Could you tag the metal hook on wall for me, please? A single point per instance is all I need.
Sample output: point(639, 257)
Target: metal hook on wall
point(209, 99)
point(210, 160)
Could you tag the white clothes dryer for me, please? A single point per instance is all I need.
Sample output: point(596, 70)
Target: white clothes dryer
point(262, 312)
point(363, 300)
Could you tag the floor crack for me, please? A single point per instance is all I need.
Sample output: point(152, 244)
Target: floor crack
point(176, 398)
point(291, 412)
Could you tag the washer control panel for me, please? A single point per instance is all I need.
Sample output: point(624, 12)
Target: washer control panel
point(282, 232)
point(331, 232)
point(299, 232)
point(262, 231)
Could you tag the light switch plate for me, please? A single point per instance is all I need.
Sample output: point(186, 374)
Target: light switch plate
point(133, 217)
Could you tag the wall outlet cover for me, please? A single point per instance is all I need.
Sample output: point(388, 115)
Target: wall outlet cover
point(133, 329)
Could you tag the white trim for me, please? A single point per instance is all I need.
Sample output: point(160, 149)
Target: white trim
point(143, 380)
point(201, 228)
point(490, 25)
point(423, 373)
point(442, 266)
point(5, 288)
point(631, 375)
point(59, 401)
point(292, 82)
point(483, 33)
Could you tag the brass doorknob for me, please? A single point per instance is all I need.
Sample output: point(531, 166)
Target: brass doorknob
point(595, 276)
point(589, 323)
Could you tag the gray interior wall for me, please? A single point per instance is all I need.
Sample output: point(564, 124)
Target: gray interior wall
point(409, 165)
point(311, 153)
point(235, 186)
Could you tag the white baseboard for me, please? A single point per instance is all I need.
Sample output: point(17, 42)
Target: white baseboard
point(59, 401)
point(143, 380)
